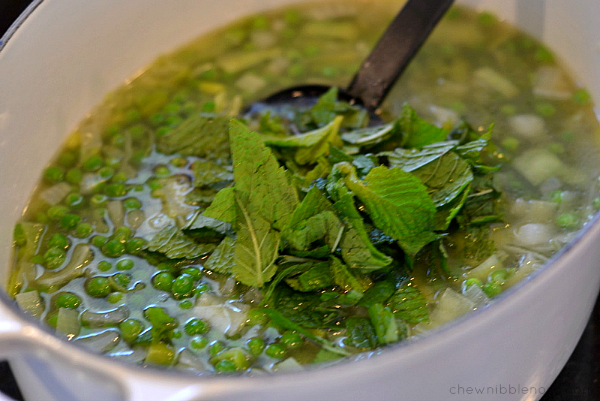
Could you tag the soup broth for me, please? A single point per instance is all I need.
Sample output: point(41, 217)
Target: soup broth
point(173, 230)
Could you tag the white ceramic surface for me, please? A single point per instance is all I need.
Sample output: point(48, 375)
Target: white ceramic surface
point(67, 53)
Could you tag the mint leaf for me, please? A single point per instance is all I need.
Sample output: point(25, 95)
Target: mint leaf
point(286, 323)
point(221, 260)
point(316, 278)
point(413, 159)
point(174, 244)
point(398, 204)
point(348, 280)
point(418, 132)
point(260, 183)
point(366, 137)
point(409, 305)
point(445, 177)
point(197, 136)
point(223, 207)
point(361, 333)
point(446, 213)
point(207, 173)
point(256, 249)
point(202, 222)
point(324, 225)
point(329, 136)
point(305, 308)
point(304, 140)
point(357, 249)
point(385, 324)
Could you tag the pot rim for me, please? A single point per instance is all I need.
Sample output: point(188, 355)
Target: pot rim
point(445, 332)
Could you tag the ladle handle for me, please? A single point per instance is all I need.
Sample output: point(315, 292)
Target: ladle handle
point(395, 49)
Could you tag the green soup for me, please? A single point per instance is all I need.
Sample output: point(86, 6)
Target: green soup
point(172, 230)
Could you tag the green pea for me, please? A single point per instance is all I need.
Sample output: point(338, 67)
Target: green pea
point(163, 130)
point(74, 176)
point(122, 233)
point(545, 109)
point(173, 121)
point(225, 366)
point(98, 287)
point(52, 320)
point(54, 257)
point(257, 316)
point(154, 184)
point(113, 248)
point(275, 351)
point(472, 281)
point(557, 196)
point(120, 178)
point(190, 107)
point(492, 289)
point(133, 116)
point(135, 245)
point(19, 235)
point(163, 281)
point(69, 221)
point(106, 172)
point(198, 342)
point(291, 339)
point(53, 175)
point(137, 131)
point(215, 348)
point(41, 218)
point(132, 203)
point(183, 286)
point(186, 304)
point(330, 71)
point(178, 162)
point(115, 190)
point(508, 109)
point(201, 288)
point(157, 119)
point(93, 163)
point(511, 144)
point(196, 326)
point(256, 345)
point(67, 300)
point(568, 221)
point(67, 159)
point(74, 200)
point(57, 212)
point(99, 241)
point(114, 297)
point(117, 140)
point(83, 230)
point(122, 280)
point(131, 329)
point(98, 200)
point(113, 129)
point(58, 241)
point(582, 97)
point(498, 276)
point(193, 271)
point(125, 264)
point(596, 203)
point(104, 266)
point(162, 171)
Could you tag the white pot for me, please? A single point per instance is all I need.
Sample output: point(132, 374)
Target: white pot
point(57, 63)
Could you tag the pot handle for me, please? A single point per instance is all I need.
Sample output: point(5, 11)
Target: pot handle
point(18, 337)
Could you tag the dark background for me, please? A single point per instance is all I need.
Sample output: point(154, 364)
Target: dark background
point(578, 381)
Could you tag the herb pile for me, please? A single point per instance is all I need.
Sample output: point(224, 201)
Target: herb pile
point(327, 216)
